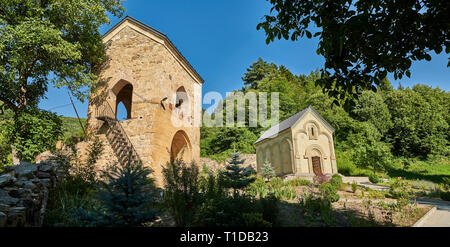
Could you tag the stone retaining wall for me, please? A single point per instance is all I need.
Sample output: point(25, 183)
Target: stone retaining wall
point(24, 193)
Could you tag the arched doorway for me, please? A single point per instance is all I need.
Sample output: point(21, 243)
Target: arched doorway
point(124, 96)
point(317, 168)
point(181, 147)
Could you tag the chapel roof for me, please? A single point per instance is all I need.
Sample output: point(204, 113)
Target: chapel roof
point(289, 122)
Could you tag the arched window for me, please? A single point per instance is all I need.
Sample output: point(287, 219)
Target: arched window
point(313, 131)
point(182, 98)
point(124, 102)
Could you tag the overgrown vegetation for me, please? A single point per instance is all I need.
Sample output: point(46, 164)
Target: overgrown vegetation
point(375, 136)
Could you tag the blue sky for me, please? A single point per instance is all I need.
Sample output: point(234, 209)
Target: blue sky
point(220, 40)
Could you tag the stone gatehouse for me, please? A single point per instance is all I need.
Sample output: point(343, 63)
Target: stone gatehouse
point(301, 144)
point(160, 91)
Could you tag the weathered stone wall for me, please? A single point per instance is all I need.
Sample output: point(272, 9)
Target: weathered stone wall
point(137, 57)
point(24, 193)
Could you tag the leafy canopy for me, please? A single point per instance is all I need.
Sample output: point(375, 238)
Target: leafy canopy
point(47, 41)
point(362, 40)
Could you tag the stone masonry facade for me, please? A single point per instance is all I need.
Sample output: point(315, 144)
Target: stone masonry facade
point(149, 76)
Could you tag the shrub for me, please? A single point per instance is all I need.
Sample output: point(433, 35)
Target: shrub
point(181, 183)
point(336, 180)
point(329, 192)
point(258, 188)
point(445, 195)
point(373, 178)
point(354, 186)
point(316, 209)
point(284, 193)
point(298, 182)
point(276, 183)
point(255, 220)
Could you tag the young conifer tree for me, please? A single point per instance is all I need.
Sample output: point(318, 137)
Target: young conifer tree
point(127, 197)
point(267, 171)
point(237, 177)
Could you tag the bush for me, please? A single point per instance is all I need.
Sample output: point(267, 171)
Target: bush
point(284, 193)
point(259, 188)
point(316, 209)
point(336, 180)
point(354, 186)
point(255, 220)
point(182, 196)
point(298, 182)
point(329, 192)
point(373, 178)
point(445, 195)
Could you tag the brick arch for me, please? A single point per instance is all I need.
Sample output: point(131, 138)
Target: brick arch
point(181, 147)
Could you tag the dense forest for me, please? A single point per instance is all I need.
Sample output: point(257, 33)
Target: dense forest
point(383, 129)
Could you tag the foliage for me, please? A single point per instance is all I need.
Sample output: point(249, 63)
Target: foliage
point(401, 190)
point(259, 188)
point(329, 192)
point(298, 182)
point(445, 195)
point(427, 132)
point(368, 149)
point(126, 196)
point(237, 177)
point(34, 132)
point(354, 186)
point(359, 41)
point(373, 178)
point(75, 191)
point(317, 209)
point(267, 171)
point(182, 190)
point(370, 107)
point(336, 180)
point(55, 41)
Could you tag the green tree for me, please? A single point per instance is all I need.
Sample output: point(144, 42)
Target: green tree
point(419, 127)
point(362, 41)
point(368, 150)
point(34, 132)
point(370, 107)
point(257, 71)
point(237, 177)
point(51, 42)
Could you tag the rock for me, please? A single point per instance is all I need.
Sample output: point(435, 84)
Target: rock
point(6, 179)
point(5, 198)
point(3, 219)
point(43, 175)
point(16, 216)
point(29, 185)
point(25, 169)
point(4, 208)
point(47, 167)
point(46, 182)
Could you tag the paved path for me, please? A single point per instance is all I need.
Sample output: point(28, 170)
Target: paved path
point(441, 217)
